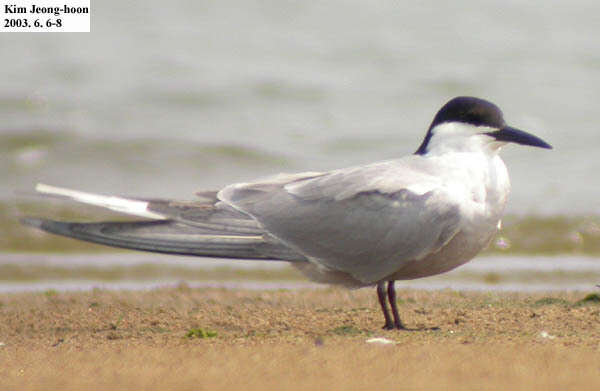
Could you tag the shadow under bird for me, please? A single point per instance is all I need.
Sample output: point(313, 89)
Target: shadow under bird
point(368, 225)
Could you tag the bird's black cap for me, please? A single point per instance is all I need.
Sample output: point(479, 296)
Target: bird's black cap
point(478, 112)
point(470, 110)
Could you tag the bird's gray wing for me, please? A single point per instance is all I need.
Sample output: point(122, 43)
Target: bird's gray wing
point(170, 237)
point(203, 227)
point(366, 221)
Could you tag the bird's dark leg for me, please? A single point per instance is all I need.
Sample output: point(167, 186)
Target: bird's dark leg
point(392, 298)
point(389, 325)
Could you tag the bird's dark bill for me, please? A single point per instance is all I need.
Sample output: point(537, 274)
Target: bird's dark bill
point(513, 135)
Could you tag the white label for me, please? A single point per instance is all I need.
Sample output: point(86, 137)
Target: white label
point(44, 16)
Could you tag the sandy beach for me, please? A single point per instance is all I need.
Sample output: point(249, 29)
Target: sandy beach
point(195, 339)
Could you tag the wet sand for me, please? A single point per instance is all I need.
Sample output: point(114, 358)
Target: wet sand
point(194, 339)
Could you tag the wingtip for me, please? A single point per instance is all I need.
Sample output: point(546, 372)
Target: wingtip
point(43, 188)
point(54, 190)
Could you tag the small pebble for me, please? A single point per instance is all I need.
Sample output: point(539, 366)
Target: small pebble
point(381, 341)
point(544, 334)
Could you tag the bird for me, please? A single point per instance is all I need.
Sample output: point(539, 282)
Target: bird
point(366, 225)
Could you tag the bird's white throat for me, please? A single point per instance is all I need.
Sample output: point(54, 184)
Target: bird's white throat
point(462, 137)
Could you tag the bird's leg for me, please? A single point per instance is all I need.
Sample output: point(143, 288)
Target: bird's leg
point(392, 298)
point(389, 325)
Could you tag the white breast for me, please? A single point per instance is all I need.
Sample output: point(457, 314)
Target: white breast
point(482, 183)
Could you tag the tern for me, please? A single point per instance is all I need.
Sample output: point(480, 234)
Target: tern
point(368, 225)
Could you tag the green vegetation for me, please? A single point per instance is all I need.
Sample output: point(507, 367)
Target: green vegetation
point(592, 298)
point(16, 141)
point(550, 301)
point(548, 236)
point(199, 332)
point(346, 330)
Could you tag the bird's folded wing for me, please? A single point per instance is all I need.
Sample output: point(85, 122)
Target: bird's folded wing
point(365, 221)
point(170, 237)
point(203, 227)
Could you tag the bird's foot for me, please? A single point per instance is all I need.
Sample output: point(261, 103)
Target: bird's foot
point(394, 326)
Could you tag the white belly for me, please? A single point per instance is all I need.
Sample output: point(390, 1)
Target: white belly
point(460, 250)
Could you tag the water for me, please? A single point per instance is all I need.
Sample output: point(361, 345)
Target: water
point(165, 99)
point(27, 272)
